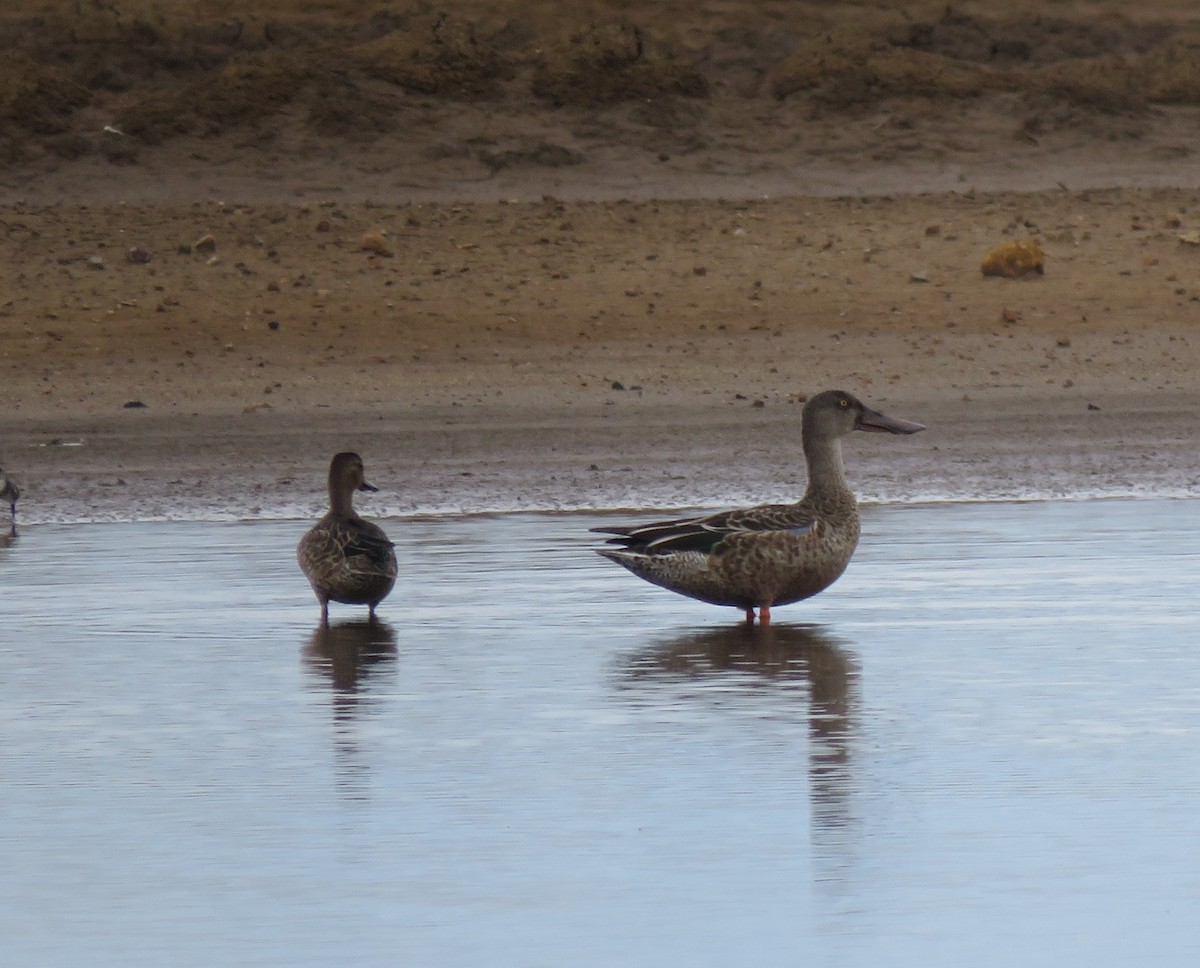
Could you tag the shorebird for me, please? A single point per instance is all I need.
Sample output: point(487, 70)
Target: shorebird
point(10, 492)
point(345, 558)
point(772, 554)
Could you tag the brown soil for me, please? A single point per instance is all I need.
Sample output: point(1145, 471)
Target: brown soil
point(594, 254)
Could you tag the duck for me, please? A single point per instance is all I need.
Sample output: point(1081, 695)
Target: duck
point(771, 554)
point(10, 492)
point(345, 558)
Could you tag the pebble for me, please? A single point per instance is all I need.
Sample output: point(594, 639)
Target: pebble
point(1015, 259)
point(376, 244)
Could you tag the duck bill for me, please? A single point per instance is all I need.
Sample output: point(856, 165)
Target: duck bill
point(875, 422)
point(364, 486)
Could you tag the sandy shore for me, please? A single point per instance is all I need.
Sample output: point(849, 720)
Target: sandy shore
point(572, 355)
point(191, 330)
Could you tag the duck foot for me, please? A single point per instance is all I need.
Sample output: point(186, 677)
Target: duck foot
point(764, 615)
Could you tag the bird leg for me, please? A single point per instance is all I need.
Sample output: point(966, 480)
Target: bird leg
point(749, 616)
point(764, 615)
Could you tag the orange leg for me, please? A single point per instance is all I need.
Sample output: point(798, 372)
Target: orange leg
point(764, 615)
point(749, 616)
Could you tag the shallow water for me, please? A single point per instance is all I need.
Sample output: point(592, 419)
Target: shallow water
point(982, 746)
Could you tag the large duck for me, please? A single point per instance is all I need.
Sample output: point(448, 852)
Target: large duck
point(772, 554)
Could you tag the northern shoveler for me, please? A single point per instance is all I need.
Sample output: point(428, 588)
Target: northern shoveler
point(772, 554)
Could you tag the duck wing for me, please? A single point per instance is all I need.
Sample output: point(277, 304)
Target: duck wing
point(369, 541)
point(704, 533)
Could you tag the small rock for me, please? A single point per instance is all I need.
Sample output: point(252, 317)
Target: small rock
point(1092, 406)
point(376, 244)
point(1190, 238)
point(97, 263)
point(918, 277)
point(134, 405)
point(138, 256)
point(1063, 341)
point(323, 225)
point(618, 385)
point(1015, 259)
point(206, 243)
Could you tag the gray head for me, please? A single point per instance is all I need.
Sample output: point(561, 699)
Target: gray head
point(835, 413)
point(346, 474)
point(345, 477)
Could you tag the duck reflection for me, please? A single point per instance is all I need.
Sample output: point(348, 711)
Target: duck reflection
point(348, 651)
point(346, 655)
point(800, 658)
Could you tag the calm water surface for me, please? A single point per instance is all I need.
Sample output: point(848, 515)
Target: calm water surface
point(981, 747)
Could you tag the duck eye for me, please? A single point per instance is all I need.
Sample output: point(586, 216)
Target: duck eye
point(843, 403)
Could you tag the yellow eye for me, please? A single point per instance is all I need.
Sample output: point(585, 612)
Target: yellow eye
point(843, 403)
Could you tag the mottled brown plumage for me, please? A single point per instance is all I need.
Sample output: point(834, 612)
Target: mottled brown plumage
point(773, 554)
point(345, 558)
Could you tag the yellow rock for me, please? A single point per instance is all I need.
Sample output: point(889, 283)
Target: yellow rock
point(376, 243)
point(1014, 259)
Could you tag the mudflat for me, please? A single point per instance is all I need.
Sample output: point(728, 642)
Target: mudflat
point(543, 257)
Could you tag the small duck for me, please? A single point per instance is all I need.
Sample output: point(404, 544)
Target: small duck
point(345, 558)
point(10, 492)
point(772, 554)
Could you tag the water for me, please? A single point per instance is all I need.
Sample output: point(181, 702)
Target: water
point(982, 746)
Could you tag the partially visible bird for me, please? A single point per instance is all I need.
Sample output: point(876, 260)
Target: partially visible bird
point(10, 492)
point(345, 558)
point(772, 554)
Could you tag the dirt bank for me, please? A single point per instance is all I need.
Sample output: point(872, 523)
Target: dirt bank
point(608, 251)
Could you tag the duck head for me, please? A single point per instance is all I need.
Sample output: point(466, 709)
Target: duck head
point(835, 413)
point(346, 473)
